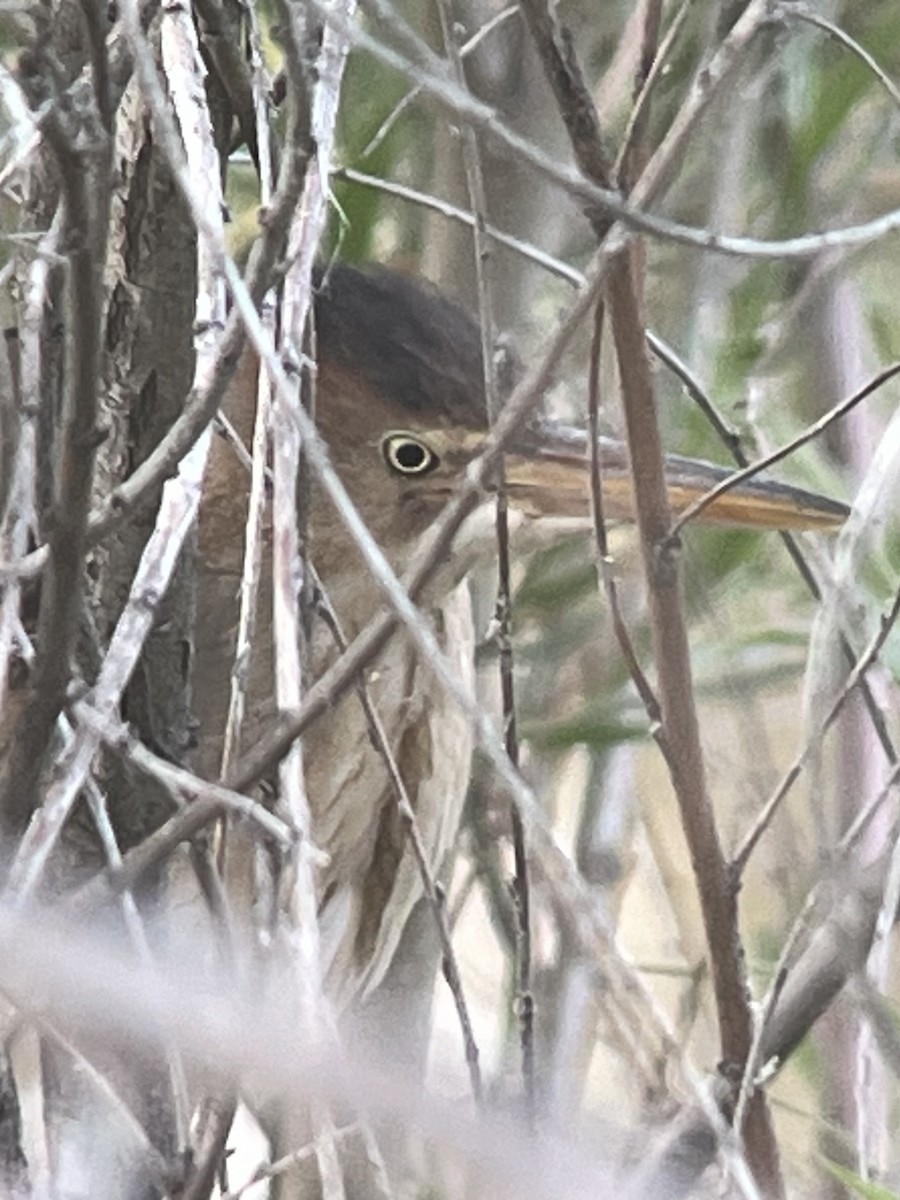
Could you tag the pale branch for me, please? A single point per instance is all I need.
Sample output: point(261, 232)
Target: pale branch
point(426, 71)
point(475, 187)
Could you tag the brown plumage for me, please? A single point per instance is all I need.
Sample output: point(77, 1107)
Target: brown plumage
point(400, 404)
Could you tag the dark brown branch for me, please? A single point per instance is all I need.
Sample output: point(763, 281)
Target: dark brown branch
point(633, 153)
point(82, 149)
point(95, 19)
point(553, 42)
point(673, 664)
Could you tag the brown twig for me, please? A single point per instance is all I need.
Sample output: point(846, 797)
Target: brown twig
point(648, 75)
point(732, 441)
point(605, 562)
point(679, 717)
point(428, 71)
point(634, 152)
point(717, 895)
point(812, 431)
point(853, 681)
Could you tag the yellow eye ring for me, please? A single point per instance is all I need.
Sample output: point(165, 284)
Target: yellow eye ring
point(407, 454)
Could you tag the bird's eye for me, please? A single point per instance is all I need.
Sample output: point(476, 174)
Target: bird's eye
point(408, 455)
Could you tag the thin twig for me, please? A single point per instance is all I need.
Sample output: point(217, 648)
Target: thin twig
point(635, 151)
point(801, 12)
point(679, 716)
point(864, 817)
point(521, 891)
point(426, 69)
point(413, 94)
point(273, 1169)
point(251, 566)
point(299, 900)
point(836, 413)
point(634, 130)
point(414, 836)
point(718, 899)
point(137, 934)
point(605, 562)
point(300, 909)
point(186, 788)
point(436, 204)
point(866, 660)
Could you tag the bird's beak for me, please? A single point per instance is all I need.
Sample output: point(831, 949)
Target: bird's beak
point(548, 475)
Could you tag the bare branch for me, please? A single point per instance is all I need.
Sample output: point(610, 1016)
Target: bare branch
point(82, 148)
point(813, 431)
point(853, 681)
point(427, 72)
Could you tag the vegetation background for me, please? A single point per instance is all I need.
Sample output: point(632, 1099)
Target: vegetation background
point(774, 124)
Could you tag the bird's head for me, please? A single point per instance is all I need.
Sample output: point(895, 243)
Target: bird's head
point(400, 401)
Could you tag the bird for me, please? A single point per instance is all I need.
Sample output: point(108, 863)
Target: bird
point(400, 404)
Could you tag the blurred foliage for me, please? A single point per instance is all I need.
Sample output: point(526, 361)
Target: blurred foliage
point(371, 94)
point(597, 725)
point(857, 1185)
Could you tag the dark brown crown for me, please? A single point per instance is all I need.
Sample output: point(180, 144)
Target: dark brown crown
point(410, 343)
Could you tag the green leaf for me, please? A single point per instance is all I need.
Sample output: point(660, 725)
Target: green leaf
point(599, 730)
point(862, 1187)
